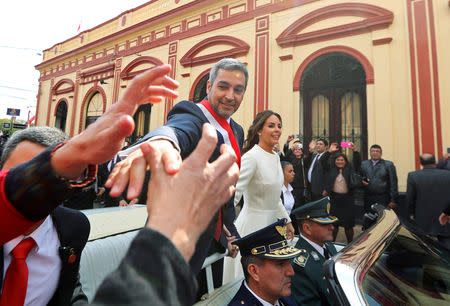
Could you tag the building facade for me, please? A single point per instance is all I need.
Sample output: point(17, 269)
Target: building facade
point(362, 71)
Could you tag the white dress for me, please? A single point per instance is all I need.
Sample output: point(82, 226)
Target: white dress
point(260, 181)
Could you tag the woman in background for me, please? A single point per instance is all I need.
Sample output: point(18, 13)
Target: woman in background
point(340, 189)
point(260, 182)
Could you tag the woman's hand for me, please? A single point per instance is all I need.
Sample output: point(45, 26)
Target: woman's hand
point(289, 231)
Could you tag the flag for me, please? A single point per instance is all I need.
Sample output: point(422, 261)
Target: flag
point(30, 121)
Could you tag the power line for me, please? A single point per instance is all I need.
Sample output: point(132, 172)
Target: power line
point(15, 88)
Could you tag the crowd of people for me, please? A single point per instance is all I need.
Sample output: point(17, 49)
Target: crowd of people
point(309, 193)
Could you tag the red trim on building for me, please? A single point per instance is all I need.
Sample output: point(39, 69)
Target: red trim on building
point(195, 83)
point(239, 48)
point(60, 83)
point(261, 65)
point(88, 95)
point(368, 68)
point(437, 99)
point(173, 47)
point(75, 101)
point(375, 18)
point(117, 73)
point(286, 57)
point(50, 100)
point(204, 28)
point(128, 73)
point(413, 85)
point(422, 44)
point(381, 41)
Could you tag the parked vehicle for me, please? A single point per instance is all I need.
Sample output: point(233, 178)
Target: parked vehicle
point(391, 263)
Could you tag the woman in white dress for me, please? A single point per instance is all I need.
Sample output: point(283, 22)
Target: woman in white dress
point(260, 182)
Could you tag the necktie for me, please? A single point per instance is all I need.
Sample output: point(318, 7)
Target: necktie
point(226, 126)
point(16, 278)
point(326, 254)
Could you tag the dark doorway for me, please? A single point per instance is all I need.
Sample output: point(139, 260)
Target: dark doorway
point(61, 116)
point(200, 89)
point(333, 89)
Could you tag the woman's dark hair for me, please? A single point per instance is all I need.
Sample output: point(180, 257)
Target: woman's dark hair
point(257, 125)
point(339, 155)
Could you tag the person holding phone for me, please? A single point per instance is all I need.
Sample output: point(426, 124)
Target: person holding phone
point(340, 188)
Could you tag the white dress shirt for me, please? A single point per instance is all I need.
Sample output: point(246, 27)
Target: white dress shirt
point(288, 198)
point(264, 303)
point(315, 245)
point(43, 261)
point(315, 160)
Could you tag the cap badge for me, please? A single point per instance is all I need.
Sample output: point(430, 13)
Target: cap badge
point(281, 230)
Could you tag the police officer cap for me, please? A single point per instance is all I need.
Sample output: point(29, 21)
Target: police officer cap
point(317, 211)
point(268, 242)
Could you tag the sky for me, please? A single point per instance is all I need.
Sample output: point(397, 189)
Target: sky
point(28, 28)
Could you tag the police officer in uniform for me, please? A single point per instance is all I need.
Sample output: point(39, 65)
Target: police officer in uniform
point(267, 270)
point(309, 286)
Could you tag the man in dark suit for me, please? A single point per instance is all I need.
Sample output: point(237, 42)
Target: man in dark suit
point(309, 286)
point(179, 137)
point(317, 165)
point(427, 195)
point(59, 239)
point(265, 261)
point(379, 180)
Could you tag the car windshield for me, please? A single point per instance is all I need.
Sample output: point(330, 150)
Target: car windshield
point(409, 272)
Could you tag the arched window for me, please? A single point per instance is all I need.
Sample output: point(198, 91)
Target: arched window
point(94, 108)
point(200, 89)
point(61, 116)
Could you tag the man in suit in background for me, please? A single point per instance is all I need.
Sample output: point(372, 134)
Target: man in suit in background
point(309, 286)
point(58, 240)
point(427, 195)
point(267, 271)
point(179, 137)
point(444, 162)
point(379, 180)
point(317, 165)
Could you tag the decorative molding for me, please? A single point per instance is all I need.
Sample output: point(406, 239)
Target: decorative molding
point(375, 18)
point(262, 24)
point(128, 73)
point(49, 104)
point(151, 42)
point(286, 57)
point(172, 61)
point(424, 79)
point(261, 72)
point(195, 83)
point(56, 89)
point(75, 102)
point(239, 48)
point(93, 75)
point(382, 41)
point(368, 68)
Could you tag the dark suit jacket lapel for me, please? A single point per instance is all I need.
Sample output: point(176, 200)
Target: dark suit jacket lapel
point(73, 231)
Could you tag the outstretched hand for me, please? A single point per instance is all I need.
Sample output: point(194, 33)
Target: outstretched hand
point(104, 138)
point(132, 169)
point(181, 205)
